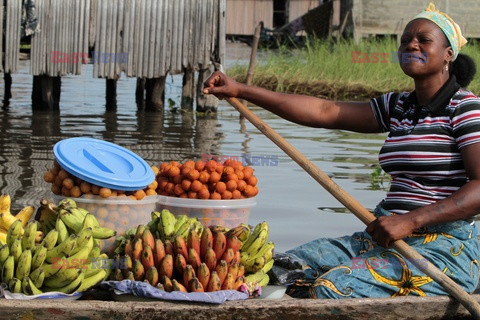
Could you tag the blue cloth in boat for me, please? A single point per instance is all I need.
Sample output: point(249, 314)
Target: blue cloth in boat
point(145, 290)
point(355, 267)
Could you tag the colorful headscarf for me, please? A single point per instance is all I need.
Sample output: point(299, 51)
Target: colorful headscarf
point(449, 27)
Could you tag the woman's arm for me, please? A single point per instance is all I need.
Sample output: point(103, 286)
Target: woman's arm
point(301, 109)
point(461, 205)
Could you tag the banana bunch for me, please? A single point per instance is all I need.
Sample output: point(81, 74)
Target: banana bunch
point(257, 255)
point(67, 259)
point(195, 262)
point(7, 218)
point(166, 226)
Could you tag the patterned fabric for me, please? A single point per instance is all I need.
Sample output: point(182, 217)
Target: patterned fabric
point(422, 150)
point(449, 27)
point(355, 267)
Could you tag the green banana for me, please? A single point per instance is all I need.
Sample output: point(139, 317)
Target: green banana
point(67, 203)
point(256, 231)
point(254, 265)
point(92, 281)
point(154, 215)
point(28, 239)
point(259, 277)
point(50, 270)
point(95, 252)
point(103, 233)
point(29, 288)
point(83, 212)
point(24, 264)
point(84, 238)
point(16, 249)
point(8, 269)
point(71, 286)
point(4, 253)
point(15, 285)
point(268, 266)
point(181, 219)
point(37, 276)
point(258, 243)
point(14, 232)
point(46, 214)
point(198, 226)
point(62, 278)
point(72, 219)
point(90, 270)
point(166, 227)
point(90, 221)
point(39, 257)
point(242, 231)
point(62, 231)
point(50, 240)
point(64, 248)
point(184, 229)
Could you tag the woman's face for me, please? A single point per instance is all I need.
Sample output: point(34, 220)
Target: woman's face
point(424, 50)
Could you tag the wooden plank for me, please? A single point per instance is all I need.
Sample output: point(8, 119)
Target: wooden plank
point(158, 40)
point(103, 38)
point(221, 31)
point(125, 36)
point(181, 26)
point(162, 43)
point(119, 64)
point(111, 53)
point(87, 26)
point(130, 48)
point(154, 20)
point(168, 42)
point(98, 14)
point(146, 40)
point(82, 34)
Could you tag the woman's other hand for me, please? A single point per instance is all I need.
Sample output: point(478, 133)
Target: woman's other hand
point(387, 229)
point(221, 86)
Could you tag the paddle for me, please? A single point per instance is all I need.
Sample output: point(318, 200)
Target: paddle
point(360, 212)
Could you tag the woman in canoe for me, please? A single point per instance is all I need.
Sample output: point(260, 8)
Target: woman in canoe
point(431, 153)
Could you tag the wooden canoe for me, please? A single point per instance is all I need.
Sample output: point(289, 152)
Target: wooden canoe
point(441, 307)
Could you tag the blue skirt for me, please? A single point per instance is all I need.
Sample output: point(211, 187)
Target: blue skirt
point(355, 267)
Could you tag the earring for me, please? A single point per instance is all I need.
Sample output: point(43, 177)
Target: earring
point(446, 67)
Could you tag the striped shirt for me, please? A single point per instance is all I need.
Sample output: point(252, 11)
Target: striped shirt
point(422, 150)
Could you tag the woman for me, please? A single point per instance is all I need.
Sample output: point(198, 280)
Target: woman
point(430, 152)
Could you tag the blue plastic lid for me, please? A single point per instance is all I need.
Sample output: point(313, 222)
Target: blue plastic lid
point(103, 163)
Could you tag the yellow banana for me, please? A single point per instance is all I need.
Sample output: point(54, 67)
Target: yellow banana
point(5, 203)
point(24, 264)
point(25, 215)
point(259, 277)
point(3, 236)
point(181, 219)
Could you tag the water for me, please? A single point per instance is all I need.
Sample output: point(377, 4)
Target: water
point(297, 208)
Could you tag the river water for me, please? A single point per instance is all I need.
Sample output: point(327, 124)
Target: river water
point(296, 207)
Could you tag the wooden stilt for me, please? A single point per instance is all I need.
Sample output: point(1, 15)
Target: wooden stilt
point(7, 79)
point(140, 93)
point(155, 93)
point(188, 89)
point(46, 92)
point(205, 103)
point(111, 92)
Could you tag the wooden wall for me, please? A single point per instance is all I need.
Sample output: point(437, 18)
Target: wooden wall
point(390, 16)
point(244, 15)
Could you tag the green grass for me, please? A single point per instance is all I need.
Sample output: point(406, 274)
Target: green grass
point(326, 70)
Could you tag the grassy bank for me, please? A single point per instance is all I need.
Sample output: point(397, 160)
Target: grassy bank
point(325, 70)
